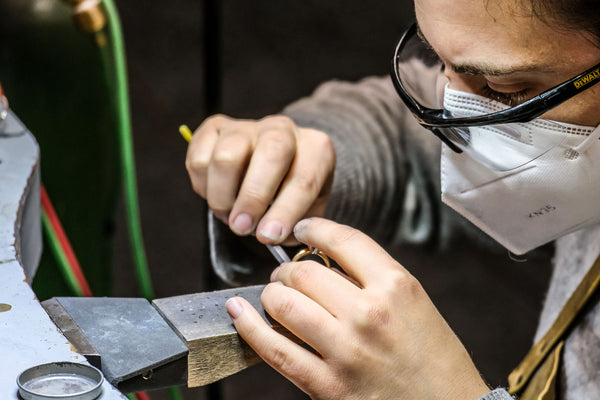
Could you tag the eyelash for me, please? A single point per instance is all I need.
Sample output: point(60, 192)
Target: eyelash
point(510, 99)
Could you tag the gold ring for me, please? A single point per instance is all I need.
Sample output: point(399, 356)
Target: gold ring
point(309, 250)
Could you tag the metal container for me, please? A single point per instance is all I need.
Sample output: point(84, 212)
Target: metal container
point(60, 380)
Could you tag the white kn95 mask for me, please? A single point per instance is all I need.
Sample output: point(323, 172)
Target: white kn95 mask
point(537, 201)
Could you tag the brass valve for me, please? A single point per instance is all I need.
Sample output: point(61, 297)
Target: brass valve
point(88, 15)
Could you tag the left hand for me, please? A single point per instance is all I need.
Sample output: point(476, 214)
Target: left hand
point(375, 332)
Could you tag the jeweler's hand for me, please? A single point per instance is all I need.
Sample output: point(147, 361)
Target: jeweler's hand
point(262, 175)
point(375, 332)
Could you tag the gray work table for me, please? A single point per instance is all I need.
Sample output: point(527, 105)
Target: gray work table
point(27, 335)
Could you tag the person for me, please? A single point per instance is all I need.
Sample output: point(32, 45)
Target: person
point(508, 87)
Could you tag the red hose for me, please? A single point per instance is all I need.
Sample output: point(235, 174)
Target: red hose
point(70, 255)
point(142, 396)
point(64, 243)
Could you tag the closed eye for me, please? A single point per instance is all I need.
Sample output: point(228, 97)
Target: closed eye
point(510, 99)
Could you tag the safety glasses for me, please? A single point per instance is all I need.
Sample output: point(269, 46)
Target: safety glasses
point(415, 69)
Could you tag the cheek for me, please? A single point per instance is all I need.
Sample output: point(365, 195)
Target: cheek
point(583, 109)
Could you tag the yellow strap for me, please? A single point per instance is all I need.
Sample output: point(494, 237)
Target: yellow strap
point(548, 392)
point(542, 385)
point(521, 375)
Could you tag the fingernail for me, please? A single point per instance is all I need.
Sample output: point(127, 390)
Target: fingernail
point(299, 227)
point(234, 307)
point(274, 274)
point(242, 225)
point(272, 230)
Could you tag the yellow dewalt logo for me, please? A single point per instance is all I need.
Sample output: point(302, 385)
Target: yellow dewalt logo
point(592, 76)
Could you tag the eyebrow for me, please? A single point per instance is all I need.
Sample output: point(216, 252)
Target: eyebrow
point(493, 70)
point(485, 69)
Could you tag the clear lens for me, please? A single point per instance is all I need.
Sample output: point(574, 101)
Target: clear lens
point(503, 146)
point(508, 146)
point(418, 71)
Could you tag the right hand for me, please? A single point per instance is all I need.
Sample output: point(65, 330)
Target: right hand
point(371, 331)
point(261, 176)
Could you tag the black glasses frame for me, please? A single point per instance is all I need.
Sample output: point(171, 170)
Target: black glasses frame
point(524, 112)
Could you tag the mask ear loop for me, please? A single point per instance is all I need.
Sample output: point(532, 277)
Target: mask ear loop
point(588, 142)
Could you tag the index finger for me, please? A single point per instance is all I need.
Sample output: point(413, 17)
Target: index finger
point(199, 153)
point(359, 255)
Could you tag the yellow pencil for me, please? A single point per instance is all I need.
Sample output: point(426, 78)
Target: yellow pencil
point(186, 132)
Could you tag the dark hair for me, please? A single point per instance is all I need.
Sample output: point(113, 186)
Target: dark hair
point(580, 15)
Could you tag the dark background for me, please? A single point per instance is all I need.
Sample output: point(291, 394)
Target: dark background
point(272, 53)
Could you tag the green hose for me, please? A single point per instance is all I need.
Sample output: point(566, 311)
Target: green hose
point(175, 393)
point(113, 59)
point(115, 65)
point(61, 258)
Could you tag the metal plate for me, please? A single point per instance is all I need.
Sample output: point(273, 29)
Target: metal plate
point(60, 380)
point(130, 335)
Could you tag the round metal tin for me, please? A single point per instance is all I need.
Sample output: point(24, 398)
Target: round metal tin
point(60, 380)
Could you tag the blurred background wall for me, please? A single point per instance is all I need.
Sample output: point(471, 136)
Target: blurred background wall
point(272, 53)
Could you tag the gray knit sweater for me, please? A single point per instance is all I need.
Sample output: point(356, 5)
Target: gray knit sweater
point(387, 185)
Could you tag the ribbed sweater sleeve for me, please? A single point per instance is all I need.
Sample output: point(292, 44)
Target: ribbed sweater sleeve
point(498, 394)
point(385, 180)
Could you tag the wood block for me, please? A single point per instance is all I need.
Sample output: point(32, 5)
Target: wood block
point(215, 348)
